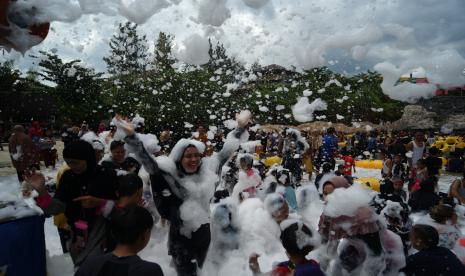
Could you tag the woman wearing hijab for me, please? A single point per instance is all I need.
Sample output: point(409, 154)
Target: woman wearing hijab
point(81, 196)
point(183, 185)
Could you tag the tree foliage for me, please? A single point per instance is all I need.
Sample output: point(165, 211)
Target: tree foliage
point(179, 96)
point(129, 51)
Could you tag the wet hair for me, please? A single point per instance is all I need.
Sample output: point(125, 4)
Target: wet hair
point(326, 167)
point(433, 151)
point(139, 127)
point(441, 213)
point(290, 238)
point(447, 200)
point(248, 160)
point(185, 149)
point(81, 150)
point(115, 144)
point(129, 184)
point(387, 187)
point(427, 234)
point(18, 128)
point(130, 223)
point(273, 203)
point(328, 183)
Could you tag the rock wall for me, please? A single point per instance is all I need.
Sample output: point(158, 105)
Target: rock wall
point(444, 105)
point(418, 117)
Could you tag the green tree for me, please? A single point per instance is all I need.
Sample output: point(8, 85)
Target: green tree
point(129, 51)
point(76, 89)
point(164, 59)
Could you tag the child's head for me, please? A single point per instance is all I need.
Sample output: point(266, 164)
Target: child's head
point(326, 167)
point(118, 153)
point(442, 213)
point(129, 189)
point(246, 162)
point(277, 206)
point(340, 168)
point(328, 188)
point(397, 183)
point(297, 238)
point(132, 226)
point(424, 236)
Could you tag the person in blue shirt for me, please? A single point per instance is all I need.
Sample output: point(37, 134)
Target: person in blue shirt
point(329, 147)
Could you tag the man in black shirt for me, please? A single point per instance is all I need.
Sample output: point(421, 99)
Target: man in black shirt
point(131, 228)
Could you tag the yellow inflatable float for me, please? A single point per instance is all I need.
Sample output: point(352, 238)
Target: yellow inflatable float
point(369, 182)
point(460, 145)
point(449, 143)
point(446, 148)
point(270, 161)
point(451, 140)
point(369, 164)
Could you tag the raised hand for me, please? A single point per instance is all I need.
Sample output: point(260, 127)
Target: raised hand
point(253, 263)
point(243, 118)
point(126, 126)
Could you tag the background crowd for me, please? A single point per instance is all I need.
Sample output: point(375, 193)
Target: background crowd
point(115, 185)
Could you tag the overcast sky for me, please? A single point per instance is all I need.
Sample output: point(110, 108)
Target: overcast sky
point(347, 35)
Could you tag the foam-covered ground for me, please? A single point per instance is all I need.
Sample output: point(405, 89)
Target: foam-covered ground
point(235, 264)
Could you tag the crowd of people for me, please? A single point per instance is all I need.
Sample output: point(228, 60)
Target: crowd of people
point(117, 182)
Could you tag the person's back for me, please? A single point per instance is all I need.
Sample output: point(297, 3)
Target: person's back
point(434, 261)
point(399, 147)
point(422, 201)
point(131, 228)
point(371, 144)
point(22, 151)
point(433, 164)
point(431, 259)
point(425, 198)
point(111, 265)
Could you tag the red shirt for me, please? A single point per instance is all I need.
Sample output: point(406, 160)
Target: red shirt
point(348, 164)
